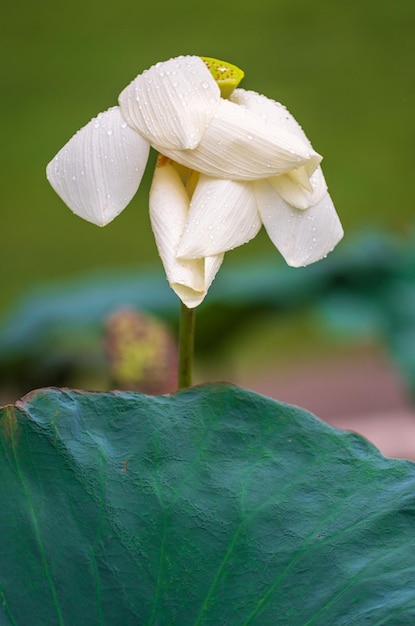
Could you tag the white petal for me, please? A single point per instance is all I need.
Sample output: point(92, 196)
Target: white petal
point(300, 190)
point(169, 206)
point(302, 237)
point(301, 187)
point(240, 145)
point(223, 215)
point(212, 265)
point(172, 103)
point(99, 170)
point(270, 111)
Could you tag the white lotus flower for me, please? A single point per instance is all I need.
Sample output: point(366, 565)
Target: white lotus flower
point(227, 166)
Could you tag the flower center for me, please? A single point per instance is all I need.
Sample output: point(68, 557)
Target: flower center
point(227, 76)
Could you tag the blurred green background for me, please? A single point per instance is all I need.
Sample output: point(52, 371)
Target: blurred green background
point(345, 69)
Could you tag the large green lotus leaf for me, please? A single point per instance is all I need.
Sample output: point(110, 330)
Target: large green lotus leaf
point(213, 506)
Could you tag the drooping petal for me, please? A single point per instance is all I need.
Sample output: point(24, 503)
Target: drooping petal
point(299, 190)
point(270, 111)
point(169, 206)
point(240, 145)
point(303, 186)
point(223, 215)
point(99, 170)
point(302, 237)
point(172, 103)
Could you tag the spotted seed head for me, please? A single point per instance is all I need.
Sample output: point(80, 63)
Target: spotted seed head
point(227, 76)
point(140, 352)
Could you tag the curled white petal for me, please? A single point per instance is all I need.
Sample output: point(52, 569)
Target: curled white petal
point(302, 237)
point(223, 215)
point(240, 145)
point(303, 186)
point(299, 190)
point(99, 170)
point(172, 103)
point(169, 206)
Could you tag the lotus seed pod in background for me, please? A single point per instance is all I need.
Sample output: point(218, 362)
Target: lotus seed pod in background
point(141, 353)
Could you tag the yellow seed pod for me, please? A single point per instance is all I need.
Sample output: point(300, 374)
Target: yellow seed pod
point(140, 353)
point(227, 76)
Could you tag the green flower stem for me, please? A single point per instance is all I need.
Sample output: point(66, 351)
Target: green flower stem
point(186, 345)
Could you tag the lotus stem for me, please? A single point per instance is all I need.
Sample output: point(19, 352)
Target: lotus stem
point(186, 346)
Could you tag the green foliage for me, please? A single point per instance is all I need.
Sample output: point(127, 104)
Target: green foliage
point(362, 289)
point(381, 306)
point(212, 506)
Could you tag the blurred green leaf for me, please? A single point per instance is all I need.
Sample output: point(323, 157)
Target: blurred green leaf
point(353, 314)
point(364, 289)
point(212, 506)
point(52, 313)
